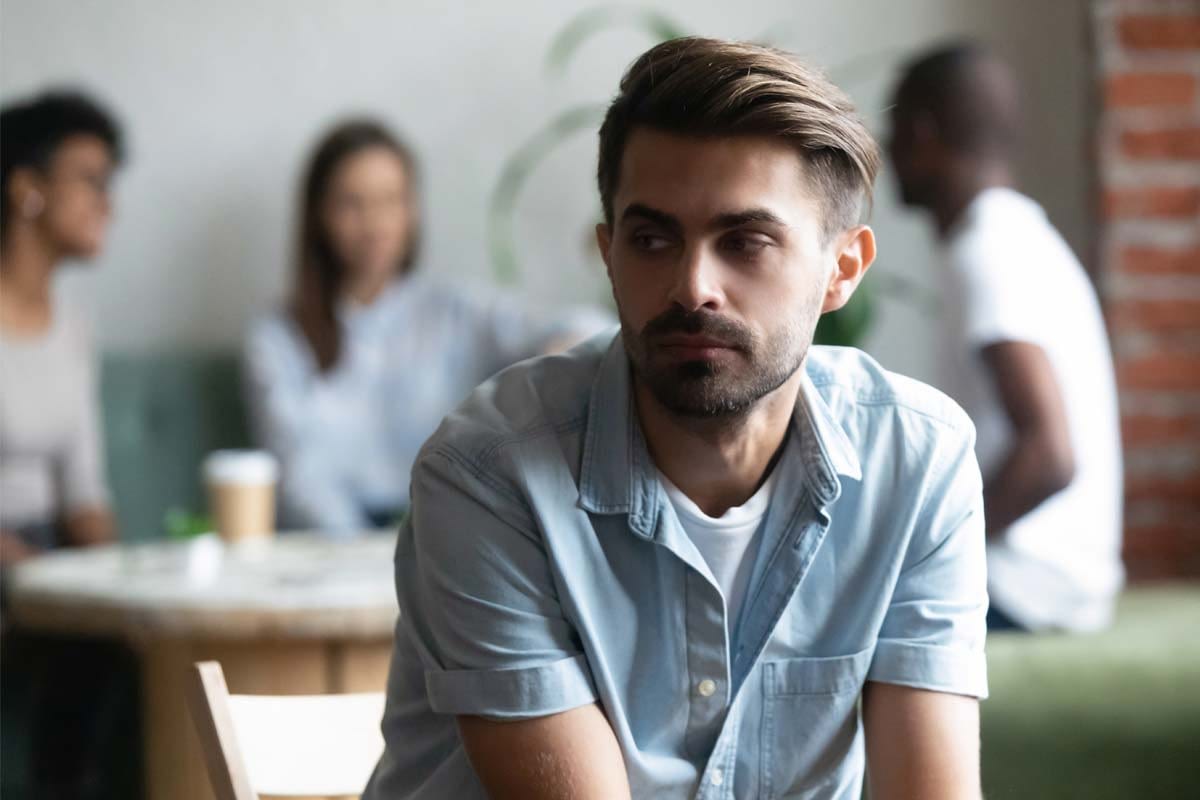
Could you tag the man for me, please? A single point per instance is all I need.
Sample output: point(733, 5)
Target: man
point(1028, 354)
point(669, 564)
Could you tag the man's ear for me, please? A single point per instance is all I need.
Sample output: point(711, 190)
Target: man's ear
point(855, 250)
point(604, 243)
point(24, 192)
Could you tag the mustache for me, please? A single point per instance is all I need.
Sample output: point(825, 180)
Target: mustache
point(699, 323)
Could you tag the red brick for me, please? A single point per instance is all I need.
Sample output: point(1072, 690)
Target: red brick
point(1150, 89)
point(1147, 430)
point(1176, 537)
point(1181, 492)
point(1171, 371)
point(1160, 31)
point(1148, 260)
point(1149, 568)
point(1156, 315)
point(1162, 143)
point(1166, 202)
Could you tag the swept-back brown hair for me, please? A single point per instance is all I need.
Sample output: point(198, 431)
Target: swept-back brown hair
point(709, 87)
point(319, 274)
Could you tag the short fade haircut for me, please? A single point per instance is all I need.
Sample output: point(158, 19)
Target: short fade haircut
point(713, 88)
point(31, 132)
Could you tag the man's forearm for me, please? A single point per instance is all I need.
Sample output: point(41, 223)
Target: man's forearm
point(1030, 474)
point(568, 756)
point(921, 744)
point(91, 526)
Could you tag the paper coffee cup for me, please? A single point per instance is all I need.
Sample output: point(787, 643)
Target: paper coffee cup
point(241, 493)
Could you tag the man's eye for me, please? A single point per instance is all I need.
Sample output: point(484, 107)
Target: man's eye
point(649, 242)
point(745, 245)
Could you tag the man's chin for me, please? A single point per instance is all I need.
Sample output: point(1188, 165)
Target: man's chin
point(694, 391)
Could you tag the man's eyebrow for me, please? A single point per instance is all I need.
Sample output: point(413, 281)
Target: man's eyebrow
point(652, 214)
point(730, 219)
point(751, 215)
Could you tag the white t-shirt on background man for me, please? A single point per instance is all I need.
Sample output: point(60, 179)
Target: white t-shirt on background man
point(1012, 278)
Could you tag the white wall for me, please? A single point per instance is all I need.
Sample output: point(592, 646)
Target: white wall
point(222, 99)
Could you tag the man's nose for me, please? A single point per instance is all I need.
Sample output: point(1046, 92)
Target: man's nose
point(697, 281)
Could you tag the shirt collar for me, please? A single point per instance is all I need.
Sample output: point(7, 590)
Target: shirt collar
point(618, 477)
point(827, 451)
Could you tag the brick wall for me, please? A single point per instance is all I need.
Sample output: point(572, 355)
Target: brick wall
point(1148, 58)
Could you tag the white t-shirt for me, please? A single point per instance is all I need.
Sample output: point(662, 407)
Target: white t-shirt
point(728, 543)
point(1011, 277)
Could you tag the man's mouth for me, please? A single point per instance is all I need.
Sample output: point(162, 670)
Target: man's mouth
point(693, 346)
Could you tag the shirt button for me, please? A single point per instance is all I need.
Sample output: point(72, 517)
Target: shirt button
point(717, 777)
point(706, 688)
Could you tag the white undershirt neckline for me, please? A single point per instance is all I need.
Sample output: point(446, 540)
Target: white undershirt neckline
point(728, 543)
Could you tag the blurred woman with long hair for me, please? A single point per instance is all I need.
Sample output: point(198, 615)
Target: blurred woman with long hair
point(349, 379)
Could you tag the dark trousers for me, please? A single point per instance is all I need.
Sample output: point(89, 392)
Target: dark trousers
point(997, 620)
point(71, 704)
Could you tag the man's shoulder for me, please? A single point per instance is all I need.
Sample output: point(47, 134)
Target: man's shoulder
point(853, 383)
point(1007, 236)
point(543, 396)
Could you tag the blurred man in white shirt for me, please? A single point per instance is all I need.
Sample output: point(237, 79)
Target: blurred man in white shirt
point(1027, 353)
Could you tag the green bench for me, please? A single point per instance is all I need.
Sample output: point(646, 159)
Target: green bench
point(1108, 716)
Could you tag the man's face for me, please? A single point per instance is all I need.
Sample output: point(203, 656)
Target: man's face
point(718, 265)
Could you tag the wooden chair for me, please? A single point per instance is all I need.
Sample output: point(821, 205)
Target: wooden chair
point(284, 746)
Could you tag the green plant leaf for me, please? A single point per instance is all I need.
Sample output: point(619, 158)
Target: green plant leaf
point(589, 22)
point(182, 524)
point(515, 174)
point(849, 325)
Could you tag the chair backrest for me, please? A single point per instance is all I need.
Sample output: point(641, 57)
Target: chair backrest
point(286, 746)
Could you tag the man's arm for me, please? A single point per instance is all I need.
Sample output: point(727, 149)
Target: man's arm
point(920, 743)
point(13, 548)
point(1041, 461)
point(568, 756)
point(87, 527)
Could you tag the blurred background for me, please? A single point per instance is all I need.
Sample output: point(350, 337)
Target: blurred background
point(222, 101)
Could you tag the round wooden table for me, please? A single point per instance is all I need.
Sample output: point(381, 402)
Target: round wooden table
point(294, 614)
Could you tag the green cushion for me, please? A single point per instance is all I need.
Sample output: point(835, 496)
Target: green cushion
point(1110, 715)
point(163, 412)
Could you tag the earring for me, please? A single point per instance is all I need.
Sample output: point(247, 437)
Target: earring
point(32, 205)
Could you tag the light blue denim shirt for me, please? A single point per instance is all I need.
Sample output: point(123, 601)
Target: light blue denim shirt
point(543, 568)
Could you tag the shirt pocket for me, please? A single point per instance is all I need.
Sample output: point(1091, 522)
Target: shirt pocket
point(810, 723)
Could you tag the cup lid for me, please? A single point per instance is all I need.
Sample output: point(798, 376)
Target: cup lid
point(241, 466)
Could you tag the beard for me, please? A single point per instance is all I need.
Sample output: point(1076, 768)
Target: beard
point(716, 388)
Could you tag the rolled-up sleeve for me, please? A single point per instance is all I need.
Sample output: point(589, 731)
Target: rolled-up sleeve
point(478, 599)
point(934, 630)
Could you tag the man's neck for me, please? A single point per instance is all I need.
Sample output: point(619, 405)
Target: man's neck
point(27, 264)
point(963, 185)
point(719, 463)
